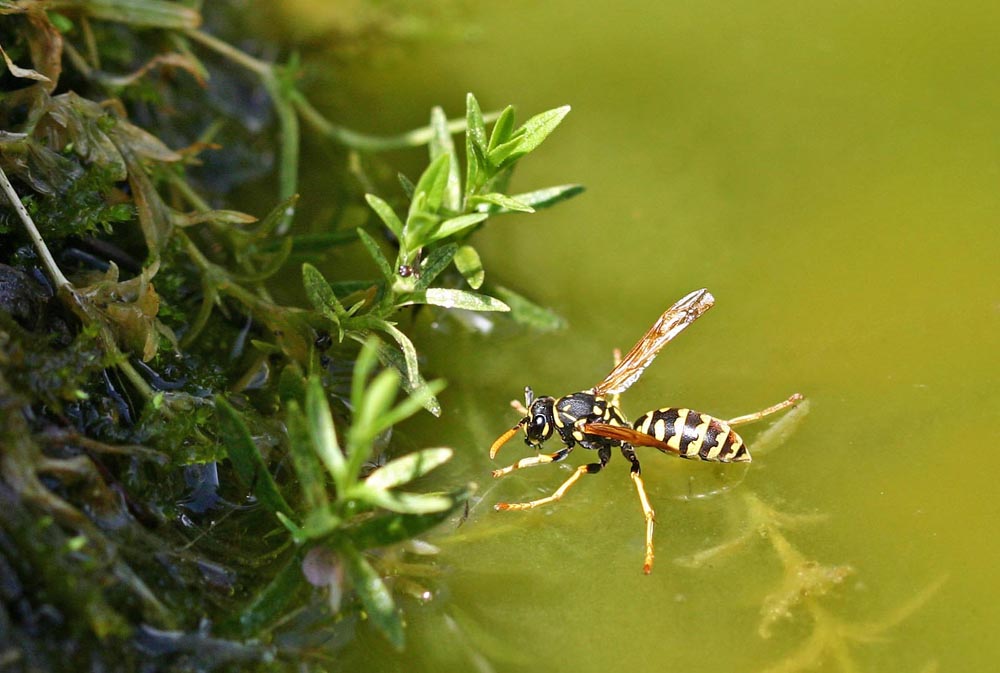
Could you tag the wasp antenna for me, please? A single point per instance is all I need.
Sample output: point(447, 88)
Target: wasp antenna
point(504, 438)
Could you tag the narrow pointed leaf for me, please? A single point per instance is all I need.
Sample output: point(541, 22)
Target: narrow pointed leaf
point(409, 405)
point(376, 253)
point(476, 170)
point(457, 225)
point(392, 357)
point(441, 143)
point(543, 198)
point(501, 203)
point(363, 368)
point(407, 185)
point(146, 13)
point(374, 595)
point(526, 312)
point(305, 460)
point(246, 459)
point(436, 262)
point(475, 127)
point(406, 468)
point(407, 503)
point(503, 129)
point(320, 294)
point(272, 601)
point(449, 298)
point(470, 266)
point(386, 214)
point(412, 373)
point(432, 184)
point(536, 130)
point(390, 528)
point(323, 433)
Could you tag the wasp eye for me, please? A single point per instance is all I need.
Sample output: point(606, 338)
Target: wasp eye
point(538, 422)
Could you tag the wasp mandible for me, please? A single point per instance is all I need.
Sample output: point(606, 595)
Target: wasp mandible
point(593, 419)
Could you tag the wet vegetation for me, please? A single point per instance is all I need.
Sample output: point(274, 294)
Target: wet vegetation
point(195, 473)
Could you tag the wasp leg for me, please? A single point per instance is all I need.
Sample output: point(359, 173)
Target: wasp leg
point(540, 459)
point(647, 510)
point(781, 406)
point(603, 454)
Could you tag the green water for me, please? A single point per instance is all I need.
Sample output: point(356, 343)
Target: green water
point(831, 172)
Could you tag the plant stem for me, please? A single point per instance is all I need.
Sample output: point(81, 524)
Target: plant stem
point(58, 278)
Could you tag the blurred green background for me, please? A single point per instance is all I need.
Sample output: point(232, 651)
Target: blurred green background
point(830, 172)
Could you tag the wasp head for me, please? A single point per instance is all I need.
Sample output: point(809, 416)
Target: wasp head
point(538, 422)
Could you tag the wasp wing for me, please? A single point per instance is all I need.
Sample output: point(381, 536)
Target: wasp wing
point(628, 435)
point(670, 324)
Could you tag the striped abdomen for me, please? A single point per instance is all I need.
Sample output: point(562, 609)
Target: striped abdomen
point(694, 435)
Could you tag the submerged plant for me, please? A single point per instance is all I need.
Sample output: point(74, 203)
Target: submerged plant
point(805, 582)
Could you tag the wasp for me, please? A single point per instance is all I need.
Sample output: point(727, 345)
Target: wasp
point(593, 419)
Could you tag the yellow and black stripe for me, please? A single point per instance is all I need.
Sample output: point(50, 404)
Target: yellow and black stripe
point(693, 435)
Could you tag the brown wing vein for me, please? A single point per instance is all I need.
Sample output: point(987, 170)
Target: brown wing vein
point(669, 325)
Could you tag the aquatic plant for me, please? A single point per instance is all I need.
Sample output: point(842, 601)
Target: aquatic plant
point(805, 581)
point(186, 459)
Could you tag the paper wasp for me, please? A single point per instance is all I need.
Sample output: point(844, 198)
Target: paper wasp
point(593, 419)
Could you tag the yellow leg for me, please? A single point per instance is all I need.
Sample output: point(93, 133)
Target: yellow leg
point(580, 471)
point(781, 406)
point(540, 459)
point(650, 515)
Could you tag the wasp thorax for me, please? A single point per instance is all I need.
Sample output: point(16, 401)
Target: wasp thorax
point(540, 422)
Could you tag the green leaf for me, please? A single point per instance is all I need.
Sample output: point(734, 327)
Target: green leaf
point(535, 130)
point(526, 312)
point(407, 185)
point(321, 295)
point(391, 357)
point(374, 595)
point(406, 468)
point(380, 261)
point(386, 214)
point(477, 171)
point(273, 600)
point(410, 405)
point(412, 372)
point(470, 266)
point(324, 434)
point(432, 184)
point(390, 528)
point(291, 384)
point(448, 298)
point(369, 417)
point(271, 221)
point(305, 459)
point(246, 459)
point(475, 127)
point(405, 503)
point(363, 368)
point(436, 262)
point(502, 203)
point(457, 225)
point(442, 144)
point(503, 129)
point(145, 13)
point(543, 198)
